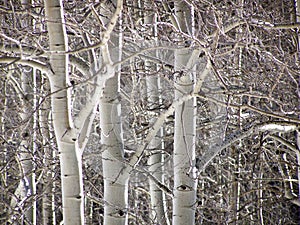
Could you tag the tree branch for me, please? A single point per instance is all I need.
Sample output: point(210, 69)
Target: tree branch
point(106, 72)
point(286, 143)
point(81, 65)
point(44, 68)
point(279, 126)
point(107, 33)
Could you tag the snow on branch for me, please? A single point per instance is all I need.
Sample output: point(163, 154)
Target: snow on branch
point(279, 126)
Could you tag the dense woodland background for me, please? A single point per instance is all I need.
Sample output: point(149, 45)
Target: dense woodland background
point(245, 110)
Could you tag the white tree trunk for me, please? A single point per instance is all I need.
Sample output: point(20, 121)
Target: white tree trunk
point(48, 200)
point(70, 156)
point(155, 161)
point(185, 180)
point(115, 182)
point(113, 161)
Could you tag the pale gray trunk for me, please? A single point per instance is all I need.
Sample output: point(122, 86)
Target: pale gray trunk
point(48, 200)
point(155, 162)
point(185, 183)
point(115, 180)
point(70, 155)
point(185, 180)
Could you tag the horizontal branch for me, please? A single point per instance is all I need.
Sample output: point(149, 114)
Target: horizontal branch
point(141, 52)
point(204, 160)
point(248, 107)
point(274, 26)
point(44, 68)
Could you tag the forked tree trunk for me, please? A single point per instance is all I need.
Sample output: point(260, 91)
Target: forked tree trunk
point(70, 156)
point(115, 181)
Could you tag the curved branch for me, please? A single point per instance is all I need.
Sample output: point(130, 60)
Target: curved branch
point(204, 160)
point(81, 65)
point(44, 68)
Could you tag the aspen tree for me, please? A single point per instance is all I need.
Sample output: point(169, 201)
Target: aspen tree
point(185, 179)
point(69, 152)
point(115, 180)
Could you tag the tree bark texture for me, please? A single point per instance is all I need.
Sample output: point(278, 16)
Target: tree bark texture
point(185, 181)
point(70, 157)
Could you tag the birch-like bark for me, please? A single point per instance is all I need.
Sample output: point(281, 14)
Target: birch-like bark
point(155, 161)
point(48, 200)
point(70, 157)
point(115, 182)
point(185, 179)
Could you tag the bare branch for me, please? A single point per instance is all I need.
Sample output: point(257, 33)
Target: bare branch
point(44, 68)
point(81, 65)
point(214, 150)
point(107, 33)
point(286, 143)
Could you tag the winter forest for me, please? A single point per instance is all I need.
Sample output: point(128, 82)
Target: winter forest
point(149, 112)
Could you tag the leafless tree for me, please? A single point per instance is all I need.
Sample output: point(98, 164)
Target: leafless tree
point(154, 111)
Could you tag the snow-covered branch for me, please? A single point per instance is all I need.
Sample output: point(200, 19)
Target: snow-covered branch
point(283, 127)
